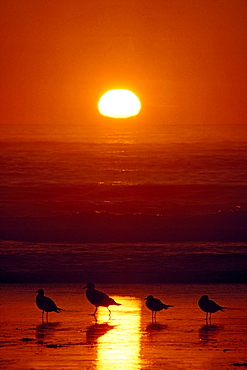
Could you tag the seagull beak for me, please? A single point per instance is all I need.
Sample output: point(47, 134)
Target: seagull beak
point(84, 287)
point(145, 298)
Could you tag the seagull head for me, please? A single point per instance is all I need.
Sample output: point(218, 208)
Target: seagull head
point(40, 292)
point(89, 286)
point(148, 297)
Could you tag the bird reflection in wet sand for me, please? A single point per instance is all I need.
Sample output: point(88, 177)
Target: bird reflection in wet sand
point(99, 299)
point(154, 326)
point(96, 331)
point(46, 304)
point(154, 305)
point(207, 333)
point(45, 331)
point(209, 307)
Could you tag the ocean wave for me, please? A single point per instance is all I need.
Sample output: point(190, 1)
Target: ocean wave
point(169, 262)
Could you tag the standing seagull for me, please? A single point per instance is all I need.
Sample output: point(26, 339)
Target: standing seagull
point(154, 305)
point(98, 298)
point(209, 306)
point(46, 304)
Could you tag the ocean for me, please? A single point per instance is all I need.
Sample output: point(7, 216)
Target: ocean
point(166, 203)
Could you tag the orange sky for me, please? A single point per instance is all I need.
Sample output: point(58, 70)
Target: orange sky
point(185, 59)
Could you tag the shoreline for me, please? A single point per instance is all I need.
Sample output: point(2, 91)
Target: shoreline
point(190, 262)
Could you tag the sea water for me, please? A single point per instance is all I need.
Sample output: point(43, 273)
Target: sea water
point(120, 198)
point(170, 262)
point(154, 169)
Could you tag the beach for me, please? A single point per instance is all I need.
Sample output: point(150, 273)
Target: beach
point(180, 339)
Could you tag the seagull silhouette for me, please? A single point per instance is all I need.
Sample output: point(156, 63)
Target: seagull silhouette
point(46, 304)
point(99, 299)
point(209, 306)
point(154, 305)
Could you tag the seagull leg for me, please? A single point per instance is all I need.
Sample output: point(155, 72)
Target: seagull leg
point(109, 312)
point(153, 317)
point(95, 311)
point(42, 316)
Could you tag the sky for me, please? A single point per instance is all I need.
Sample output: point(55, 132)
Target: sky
point(185, 59)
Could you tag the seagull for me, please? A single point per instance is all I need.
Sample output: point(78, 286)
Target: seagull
point(46, 304)
point(98, 298)
point(209, 306)
point(154, 305)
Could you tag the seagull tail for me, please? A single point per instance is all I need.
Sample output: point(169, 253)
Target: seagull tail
point(116, 304)
point(58, 310)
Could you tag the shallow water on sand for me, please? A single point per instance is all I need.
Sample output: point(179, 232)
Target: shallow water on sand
point(128, 340)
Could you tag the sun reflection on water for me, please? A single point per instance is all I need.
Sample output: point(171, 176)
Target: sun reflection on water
point(119, 348)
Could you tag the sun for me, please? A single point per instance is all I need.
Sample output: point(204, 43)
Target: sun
point(119, 103)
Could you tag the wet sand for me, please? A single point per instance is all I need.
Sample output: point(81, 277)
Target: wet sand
point(73, 340)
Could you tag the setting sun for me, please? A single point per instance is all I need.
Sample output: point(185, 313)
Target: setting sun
point(119, 103)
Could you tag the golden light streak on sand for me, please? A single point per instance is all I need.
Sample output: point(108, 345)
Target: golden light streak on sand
point(119, 348)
